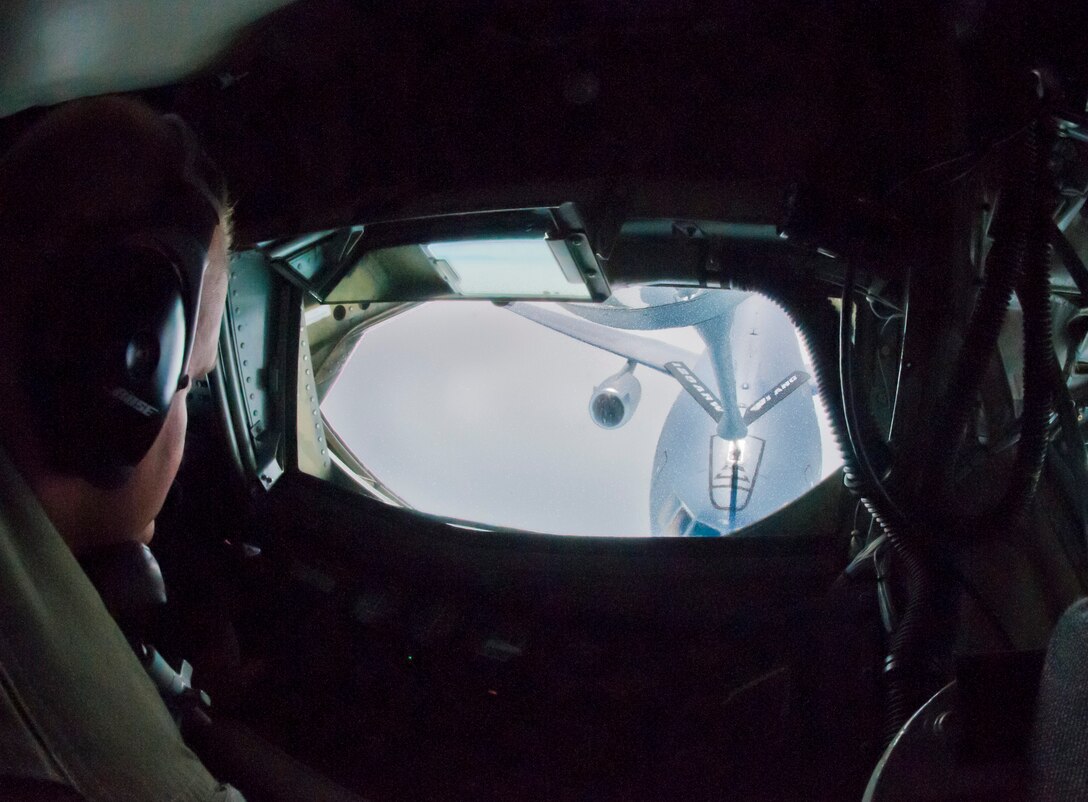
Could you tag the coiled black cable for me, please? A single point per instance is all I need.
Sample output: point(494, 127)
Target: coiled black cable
point(1033, 290)
point(866, 462)
point(904, 668)
point(1018, 261)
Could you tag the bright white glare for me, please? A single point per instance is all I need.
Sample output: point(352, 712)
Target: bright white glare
point(735, 454)
point(509, 268)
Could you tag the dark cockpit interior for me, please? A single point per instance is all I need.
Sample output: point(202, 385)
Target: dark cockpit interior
point(632, 401)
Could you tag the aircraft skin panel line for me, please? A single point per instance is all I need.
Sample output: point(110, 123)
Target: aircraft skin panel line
point(651, 353)
point(662, 314)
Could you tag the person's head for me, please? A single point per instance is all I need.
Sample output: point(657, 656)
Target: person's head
point(93, 171)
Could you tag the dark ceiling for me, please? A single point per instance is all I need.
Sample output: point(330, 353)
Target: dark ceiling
point(329, 111)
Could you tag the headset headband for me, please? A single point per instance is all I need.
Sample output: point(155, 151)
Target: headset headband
point(196, 210)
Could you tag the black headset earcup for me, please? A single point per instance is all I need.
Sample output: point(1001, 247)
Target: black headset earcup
point(109, 345)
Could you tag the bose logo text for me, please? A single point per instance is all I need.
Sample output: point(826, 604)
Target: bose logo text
point(131, 401)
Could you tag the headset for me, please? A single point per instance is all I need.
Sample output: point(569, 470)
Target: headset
point(112, 333)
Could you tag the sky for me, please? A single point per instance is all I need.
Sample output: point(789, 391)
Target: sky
point(466, 410)
point(484, 269)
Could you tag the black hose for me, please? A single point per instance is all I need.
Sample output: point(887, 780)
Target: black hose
point(904, 666)
point(866, 461)
point(865, 443)
point(1019, 260)
point(1033, 291)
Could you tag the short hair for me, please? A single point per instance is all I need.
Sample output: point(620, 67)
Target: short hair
point(88, 166)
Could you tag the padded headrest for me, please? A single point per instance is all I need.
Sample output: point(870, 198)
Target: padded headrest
point(1059, 745)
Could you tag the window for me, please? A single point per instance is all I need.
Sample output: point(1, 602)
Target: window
point(663, 411)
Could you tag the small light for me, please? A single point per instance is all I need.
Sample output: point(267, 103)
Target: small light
point(492, 692)
point(735, 451)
